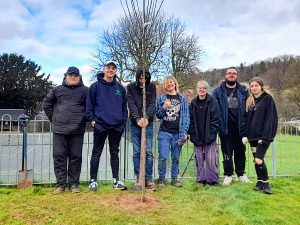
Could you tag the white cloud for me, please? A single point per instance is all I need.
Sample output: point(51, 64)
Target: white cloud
point(232, 32)
point(61, 33)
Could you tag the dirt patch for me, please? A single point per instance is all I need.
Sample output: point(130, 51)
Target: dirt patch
point(128, 202)
point(133, 203)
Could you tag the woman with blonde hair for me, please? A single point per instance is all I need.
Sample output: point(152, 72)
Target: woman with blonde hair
point(259, 129)
point(172, 109)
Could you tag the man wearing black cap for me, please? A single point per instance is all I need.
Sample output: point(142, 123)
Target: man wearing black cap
point(65, 108)
point(106, 108)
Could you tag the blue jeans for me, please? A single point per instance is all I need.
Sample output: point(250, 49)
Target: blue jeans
point(167, 142)
point(136, 135)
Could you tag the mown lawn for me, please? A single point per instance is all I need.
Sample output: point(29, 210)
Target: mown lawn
point(191, 204)
point(287, 158)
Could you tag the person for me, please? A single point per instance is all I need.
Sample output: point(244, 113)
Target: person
point(204, 127)
point(231, 97)
point(259, 128)
point(172, 109)
point(135, 105)
point(65, 108)
point(106, 108)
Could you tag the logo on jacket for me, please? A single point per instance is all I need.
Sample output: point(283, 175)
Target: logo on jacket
point(118, 92)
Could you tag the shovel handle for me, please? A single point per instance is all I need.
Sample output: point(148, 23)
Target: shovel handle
point(24, 150)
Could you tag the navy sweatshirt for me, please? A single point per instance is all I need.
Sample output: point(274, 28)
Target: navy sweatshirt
point(106, 102)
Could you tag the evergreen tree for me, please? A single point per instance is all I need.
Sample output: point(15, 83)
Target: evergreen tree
point(22, 85)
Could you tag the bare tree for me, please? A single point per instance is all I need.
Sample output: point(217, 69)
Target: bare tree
point(184, 52)
point(278, 71)
point(169, 49)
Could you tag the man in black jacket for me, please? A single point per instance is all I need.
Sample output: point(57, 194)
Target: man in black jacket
point(135, 105)
point(231, 97)
point(65, 108)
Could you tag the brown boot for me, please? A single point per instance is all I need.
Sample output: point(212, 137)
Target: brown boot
point(58, 191)
point(162, 183)
point(74, 189)
point(176, 183)
point(149, 184)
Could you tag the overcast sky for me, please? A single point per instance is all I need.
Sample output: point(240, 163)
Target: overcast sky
point(60, 33)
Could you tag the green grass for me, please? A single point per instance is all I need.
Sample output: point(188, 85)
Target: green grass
point(287, 156)
point(191, 204)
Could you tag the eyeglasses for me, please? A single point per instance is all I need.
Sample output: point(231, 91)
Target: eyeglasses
point(201, 88)
point(231, 73)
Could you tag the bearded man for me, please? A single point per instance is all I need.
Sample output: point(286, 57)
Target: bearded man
point(231, 97)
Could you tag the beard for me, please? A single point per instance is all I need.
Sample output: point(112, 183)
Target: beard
point(230, 83)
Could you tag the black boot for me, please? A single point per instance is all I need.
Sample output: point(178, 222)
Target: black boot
point(258, 186)
point(267, 188)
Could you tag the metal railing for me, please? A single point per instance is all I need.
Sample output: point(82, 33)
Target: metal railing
point(283, 156)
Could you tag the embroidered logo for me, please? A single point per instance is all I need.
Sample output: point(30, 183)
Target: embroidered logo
point(118, 92)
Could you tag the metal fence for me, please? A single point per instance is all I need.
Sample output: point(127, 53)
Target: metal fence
point(283, 156)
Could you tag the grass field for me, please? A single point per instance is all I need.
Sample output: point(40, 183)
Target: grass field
point(287, 157)
point(191, 204)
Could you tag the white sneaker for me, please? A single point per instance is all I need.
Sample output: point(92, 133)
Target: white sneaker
point(93, 185)
point(227, 180)
point(243, 179)
point(117, 184)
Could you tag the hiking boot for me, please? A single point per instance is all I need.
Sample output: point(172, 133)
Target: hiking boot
point(227, 180)
point(58, 191)
point(117, 184)
point(149, 184)
point(267, 188)
point(258, 186)
point(74, 189)
point(176, 183)
point(243, 179)
point(93, 185)
point(161, 183)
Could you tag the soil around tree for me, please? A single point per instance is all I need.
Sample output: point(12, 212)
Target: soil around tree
point(133, 203)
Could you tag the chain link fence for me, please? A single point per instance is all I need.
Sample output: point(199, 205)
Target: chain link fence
point(283, 156)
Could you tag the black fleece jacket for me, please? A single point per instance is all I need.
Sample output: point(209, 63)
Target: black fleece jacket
point(211, 121)
point(135, 98)
point(65, 108)
point(260, 122)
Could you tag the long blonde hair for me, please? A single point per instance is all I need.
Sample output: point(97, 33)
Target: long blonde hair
point(165, 82)
point(250, 100)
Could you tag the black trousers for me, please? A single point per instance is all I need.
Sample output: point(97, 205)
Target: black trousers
point(114, 134)
point(67, 157)
point(232, 146)
point(261, 169)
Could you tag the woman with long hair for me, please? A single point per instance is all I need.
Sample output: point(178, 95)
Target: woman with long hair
point(259, 129)
point(173, 111)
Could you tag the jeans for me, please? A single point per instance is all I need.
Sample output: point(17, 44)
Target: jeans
point(136, 135)
point(114, 134)
point(167, 143)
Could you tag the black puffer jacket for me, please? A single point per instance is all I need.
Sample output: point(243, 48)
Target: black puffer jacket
point(65, 108)
point(135, 98)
